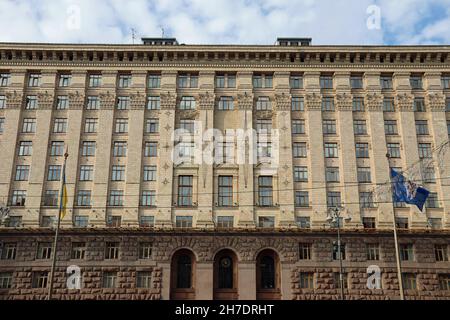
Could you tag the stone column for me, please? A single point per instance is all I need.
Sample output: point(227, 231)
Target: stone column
point(247, 280)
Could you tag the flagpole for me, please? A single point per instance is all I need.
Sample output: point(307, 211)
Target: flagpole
point(55, 243)
point(397, 252)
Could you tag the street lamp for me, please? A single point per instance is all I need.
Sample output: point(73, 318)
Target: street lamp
point(334, 218)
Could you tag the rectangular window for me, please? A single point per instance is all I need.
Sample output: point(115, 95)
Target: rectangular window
point(303, 222)
point(416, 82)
point(116, 198)
point(143, 279)
point(2, 102)
point(62, 103)
point(369, 223)
point(337, 280)
point(84, 198)
point(121, 126)
point(329, 126)
point(148, 198)
point(65, 80)
point(332, 174)
point(120, 149)
point(445, 82)
point(109, 280)
point(302, 199)
point(406, 252)
point(301, 174)
point(54, 173)
point(44, 251)
point(393, 150)
point(187, 81)
point(304, 251)
point(388, 105)
point(299, 150)
point(39, 280)
point(18, 198)
point(298, 126)
point(118, 173)
point(9, 251)
point(123, 103)
point(22, 173)
point(152, 126)
point(425, 150)
point(151, 149)
point(432, 200)
point(263, 103)
point(262, 81)
point(29, 125)
point(95, 80)
point(25, 148)
point(226, 103)
point(48, 221)
point(5, 79)
point(31, 103)
point(185, 191)
point(419, 105)
point(358, 104)
point(306, 280)
point(51, 198)
point(326, 82)
point(390, 127)
point(60, 125)
point(356, 82)
point(187, 103)
point(183, 222)
point(93, 103)
point(188, 125)
point(266, 222)
point(328, 104)
point(364, 175)
point(14, 222)
point(153, 103)
point(34, 80)
point(435, 223)
point(298, 104)
point(440, 252)
point(333, 199)
point(78, 251)
point(226, 81)
point(429, 175)
point(422, 127)
point(88, 149)
point(331, 150)
point(90, 125)
point(409, 281)
point(112, 250)
point(146, 221)
point(6, 280)
point(225, 191)
point(336, 251)
point(386, 82)
point(145, 250)
point(447, 105)
point(265, 191)
point(2, 125)
point(124, 80)
point(154, 81)
point(264, 126)
point(81, 221)
point(362, 150)
point(225, 222)
point(360, 127)
point(444, 282)
point(149, 173)
point(296, 82)
point(366, 200)
point(402, 223)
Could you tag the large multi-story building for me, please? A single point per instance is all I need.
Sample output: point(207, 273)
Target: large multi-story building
point(141, 226)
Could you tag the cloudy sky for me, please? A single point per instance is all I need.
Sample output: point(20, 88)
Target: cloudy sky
point(227, 21)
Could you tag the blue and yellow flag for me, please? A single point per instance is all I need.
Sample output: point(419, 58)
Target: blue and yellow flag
point(405, 190)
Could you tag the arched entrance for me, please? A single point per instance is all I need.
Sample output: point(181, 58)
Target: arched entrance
point(268, 276)
point(225, 275)
point(182, 275)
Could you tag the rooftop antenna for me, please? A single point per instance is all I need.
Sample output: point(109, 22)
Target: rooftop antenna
point(133, 34)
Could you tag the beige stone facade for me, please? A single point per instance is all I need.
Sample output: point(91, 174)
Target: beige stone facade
point(339, 111)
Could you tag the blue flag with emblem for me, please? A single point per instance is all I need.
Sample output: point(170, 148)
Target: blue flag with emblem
point(404, 190)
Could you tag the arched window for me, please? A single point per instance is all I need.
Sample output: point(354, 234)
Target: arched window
point(182, 283)
point(267, 272)
point(184, 275)
point(268, 278)
point(225, 271)
point(225, 275)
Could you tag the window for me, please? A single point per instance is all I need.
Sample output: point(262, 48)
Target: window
point(31, 103)
point(29, 125)
point(331, 150)
point(95, 80)
point(304, 251)
point(5, 79)
point(263, 103)
point(183, 222)
point(51, 198)
point(2, 102)
point(147, 221)
point(332, 174)
point(145, 250)
point(120, 149)
point(298, 126)
point(64, 80)
point(188, 125)
point(18, 198)
point(81, 221)
point(185, 186)
point(152, 126)
point(425, 150)
point(93, 103)
point(225, 191)
point(337, 280)
point(336, 251)
point(154, 81)
point(393, 150)
point(416, 82)
point(448, 127)
point(432, 200)
point(39, 280)
point(444, 282)
point(301, 174)
point(188, 81)
point(409, 281)
point(9, 251)
point(326, 82)
point(328, 104)
point(360, 127)
point(25, 148)
point(226, 103)
point(445, 81)
point(149, 173)
point(303, 222)
point(153, 103)
point(225, 222)
point(2, 125)
point(187, 103)
point(369, 223)
point(148, 198)
point(296, 82)
point(57, 148)
point(298, 104)
point(299, 150)
point(90, 125)
point(123, 103)
point(62, 103)
point(121, 125)
point(151, 149)
point(84, 198)
point(226, 81)
point(262, 81)
point(358, 104)
point(22, 173)
point(265, 190)
point(5, 280)
point(14, 222)
point(301, 199)
point(440, 252)
point(333, 199)
point(264, 150)
point(329, 126)
point(406, 252)
point(366, 200)
point(419, 105)
point(422, 127)
point(118, 173)
point(356, 82)
point(266, 222)
point(116, 198)
point(112, 250)
point(34, 80)
point(364, 175)
point(88, 149)
point(447, 105)
point(54, 173)
point(386, 82)
point(114, 221)
point(306, 280)
point(144, 279)
point(263, 126)
point(60, 125)
point(435, 223)
point(78, 251)
point(388, 105)
point(124, 80)
point(362, 150)
point(390, 127)
point(401, 223)
point(109, 279)
point(44, 251)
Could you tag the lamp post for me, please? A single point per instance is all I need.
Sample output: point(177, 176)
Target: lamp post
point(334, 218)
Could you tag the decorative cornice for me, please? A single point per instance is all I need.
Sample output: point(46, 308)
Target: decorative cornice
point(138, 101)
point(206, 101)
point(45, 100)
point(245, 101)
point(405, 102)
point(313, 101)
point(168, 101)
point(374, 101)
point(14, 100)
point(283, 101)
point(107, 100)
point(436, 101)
point(76, 100)
point(344, 101)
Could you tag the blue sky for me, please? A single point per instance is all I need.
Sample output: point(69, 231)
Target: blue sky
point(227, 21)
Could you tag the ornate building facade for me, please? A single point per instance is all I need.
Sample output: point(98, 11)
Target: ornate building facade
point(139, 226)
